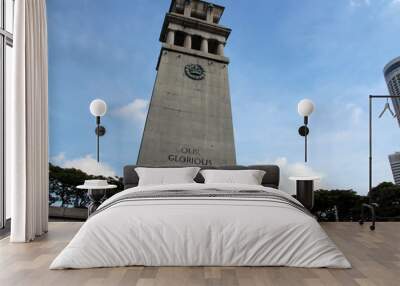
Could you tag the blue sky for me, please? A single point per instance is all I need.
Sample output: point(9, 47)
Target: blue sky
point(332, 52)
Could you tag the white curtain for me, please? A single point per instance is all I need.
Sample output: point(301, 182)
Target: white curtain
point(27, 123)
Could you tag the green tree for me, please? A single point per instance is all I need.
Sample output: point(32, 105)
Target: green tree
point(63, 182)
point(387, 196)
point(346, 204)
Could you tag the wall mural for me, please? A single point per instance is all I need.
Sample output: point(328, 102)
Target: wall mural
point(175, 103)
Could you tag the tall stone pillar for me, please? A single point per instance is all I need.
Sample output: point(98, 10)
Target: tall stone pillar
point(188, 8)
point(210, 15)
point(188, 41)
point(220, 50)
point(204, 45)
point(171, 37)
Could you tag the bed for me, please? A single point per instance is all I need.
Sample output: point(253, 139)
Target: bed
point(199, 224)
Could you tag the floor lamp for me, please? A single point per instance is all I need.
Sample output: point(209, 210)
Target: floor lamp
point(371, 206)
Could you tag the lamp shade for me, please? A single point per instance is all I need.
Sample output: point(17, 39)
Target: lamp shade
point(305, 107)
point(98, 107)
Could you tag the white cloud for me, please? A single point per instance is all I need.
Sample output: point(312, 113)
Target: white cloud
point(58, 159)
point(295, 169)
point(86, 164)
point(356, 113)
point(135, 110)
point(358, 3)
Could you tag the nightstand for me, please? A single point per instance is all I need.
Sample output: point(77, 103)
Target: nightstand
point(305, 190)
point(97, 194)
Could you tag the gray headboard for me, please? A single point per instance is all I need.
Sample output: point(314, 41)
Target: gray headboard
point(271, 178)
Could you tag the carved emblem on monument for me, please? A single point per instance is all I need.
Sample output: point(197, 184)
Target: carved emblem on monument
point(195, 71)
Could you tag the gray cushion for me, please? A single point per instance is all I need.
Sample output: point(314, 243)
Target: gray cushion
point(270, 179)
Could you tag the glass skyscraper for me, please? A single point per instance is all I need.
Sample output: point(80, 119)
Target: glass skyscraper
point(392, 77)
point(394, 160)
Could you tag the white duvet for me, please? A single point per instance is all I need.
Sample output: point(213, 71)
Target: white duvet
point(202, 232)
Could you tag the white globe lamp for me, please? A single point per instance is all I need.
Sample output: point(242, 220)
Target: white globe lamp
point(305, 107)
point(98, 108)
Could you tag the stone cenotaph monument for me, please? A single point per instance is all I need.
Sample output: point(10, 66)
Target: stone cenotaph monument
point(189, 121)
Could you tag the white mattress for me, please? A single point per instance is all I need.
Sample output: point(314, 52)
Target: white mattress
point(200, 232)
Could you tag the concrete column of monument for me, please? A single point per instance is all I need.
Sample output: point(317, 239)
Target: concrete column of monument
point(210, 15)
point(188, 8)
point(220, 50)
point(189, 120)
point(204, 45)
point(171, 37)
point(188, 41)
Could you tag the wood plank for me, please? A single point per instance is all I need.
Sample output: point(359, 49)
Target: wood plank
point(375, 257)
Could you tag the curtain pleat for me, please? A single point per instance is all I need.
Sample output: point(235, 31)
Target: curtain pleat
point(29, 117)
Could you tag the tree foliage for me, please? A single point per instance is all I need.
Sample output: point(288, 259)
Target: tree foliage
point(387, 196)
point(63, 182)
point(346, 204)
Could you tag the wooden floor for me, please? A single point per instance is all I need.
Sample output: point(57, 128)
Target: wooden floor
point(375, 257)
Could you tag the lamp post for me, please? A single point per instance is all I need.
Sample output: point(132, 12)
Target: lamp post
point(371, 98)
point(305, 107)
point(372, 205)
point(98, 108)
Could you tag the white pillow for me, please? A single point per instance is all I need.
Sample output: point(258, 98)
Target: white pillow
point(165, 176)
point(248, 177)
